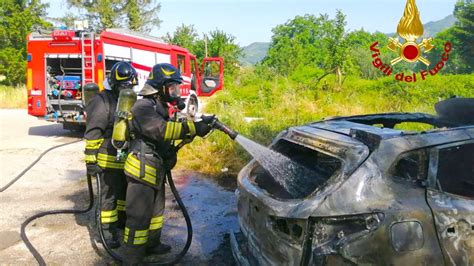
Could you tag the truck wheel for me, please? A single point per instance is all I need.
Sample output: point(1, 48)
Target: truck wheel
point(192, 107)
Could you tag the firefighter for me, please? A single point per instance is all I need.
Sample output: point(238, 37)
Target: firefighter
point(151, 155)
point(101, 155)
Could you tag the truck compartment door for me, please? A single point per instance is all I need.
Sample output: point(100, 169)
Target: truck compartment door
point(212, 73)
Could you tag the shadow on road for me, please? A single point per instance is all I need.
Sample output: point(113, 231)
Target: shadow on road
point(81, 201)
point(54, 130)
point(212, 210)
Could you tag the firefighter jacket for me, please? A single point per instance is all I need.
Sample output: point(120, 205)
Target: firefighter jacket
point(99, 128)
point(152, 152)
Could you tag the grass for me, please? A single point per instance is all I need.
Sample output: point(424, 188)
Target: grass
point(13, 97)
point(283, 102)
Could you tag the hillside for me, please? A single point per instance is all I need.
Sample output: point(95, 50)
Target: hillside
point(256, 51)
point(433, 27)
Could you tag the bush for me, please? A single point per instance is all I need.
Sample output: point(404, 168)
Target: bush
point(13, 97)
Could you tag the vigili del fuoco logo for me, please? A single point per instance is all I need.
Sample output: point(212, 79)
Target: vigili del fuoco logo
point(409, 48)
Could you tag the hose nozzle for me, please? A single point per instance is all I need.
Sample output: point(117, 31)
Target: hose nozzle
point(224, 128)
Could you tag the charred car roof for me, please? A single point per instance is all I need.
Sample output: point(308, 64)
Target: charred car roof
point(362, 127)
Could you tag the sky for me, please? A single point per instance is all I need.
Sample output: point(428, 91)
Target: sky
point(252, 21)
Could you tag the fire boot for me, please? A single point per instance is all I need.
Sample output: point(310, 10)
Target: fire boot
point(111, 235)
point(133, 254)
point(122, 217)
point(154, 245)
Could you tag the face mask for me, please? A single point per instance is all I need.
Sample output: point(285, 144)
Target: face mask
point(174, 90)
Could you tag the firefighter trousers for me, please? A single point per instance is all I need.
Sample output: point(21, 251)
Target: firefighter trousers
point(145, 206)
point(114, 188)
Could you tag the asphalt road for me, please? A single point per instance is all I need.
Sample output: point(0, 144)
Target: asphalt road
point(58, 182)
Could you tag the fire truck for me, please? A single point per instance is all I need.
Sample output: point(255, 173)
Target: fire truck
point(61, 62)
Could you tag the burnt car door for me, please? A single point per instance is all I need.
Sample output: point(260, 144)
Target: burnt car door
point(450, 195)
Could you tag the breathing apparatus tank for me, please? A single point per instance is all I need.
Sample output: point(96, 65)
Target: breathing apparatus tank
point(90, 89)
point(120, 134)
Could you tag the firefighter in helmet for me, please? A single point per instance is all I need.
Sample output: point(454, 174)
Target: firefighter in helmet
point(100, 155)
point(151, 155)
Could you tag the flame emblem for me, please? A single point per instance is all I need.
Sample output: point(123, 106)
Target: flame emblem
point(410, 29)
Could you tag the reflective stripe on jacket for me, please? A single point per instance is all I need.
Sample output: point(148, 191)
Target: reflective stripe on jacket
point(152, 148)
point(153, 174)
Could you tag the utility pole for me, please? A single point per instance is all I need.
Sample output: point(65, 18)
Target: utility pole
point(205, 44)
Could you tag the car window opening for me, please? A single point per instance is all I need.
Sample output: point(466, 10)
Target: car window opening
point(457, 180)
point(412, 167)
point(323, 167)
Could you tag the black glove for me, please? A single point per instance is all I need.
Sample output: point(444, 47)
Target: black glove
point(202, 128)
point(208, 119)
point(93, 169)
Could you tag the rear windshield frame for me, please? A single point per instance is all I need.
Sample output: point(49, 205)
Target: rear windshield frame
point(275, 190)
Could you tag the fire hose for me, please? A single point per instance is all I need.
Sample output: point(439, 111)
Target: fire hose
point(33, 164)
point(115, 256)
point(189, 227)
point(25, 239)
point(34, 217)
point(215, 124)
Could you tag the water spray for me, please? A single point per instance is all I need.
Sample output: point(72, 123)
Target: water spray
point(281, 168)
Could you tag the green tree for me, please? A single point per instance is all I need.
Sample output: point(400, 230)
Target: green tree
point(454, 64)
point(185, 36)
point(337, 47)
point(142, 15)
point(310, 41)
point(220, 44)
point(67, 20)
point(463, 33)
point(100, 13)
point(139, 15)
point(299, 41)
point(461, 37)
point(216, 43)
point(359, 56)
point(17, 19)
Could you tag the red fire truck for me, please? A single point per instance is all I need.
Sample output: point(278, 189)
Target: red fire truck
point(61, 62)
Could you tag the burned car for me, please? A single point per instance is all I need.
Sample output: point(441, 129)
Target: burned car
point(387, 196)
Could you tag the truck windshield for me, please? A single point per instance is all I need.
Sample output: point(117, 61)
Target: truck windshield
point(322, 167)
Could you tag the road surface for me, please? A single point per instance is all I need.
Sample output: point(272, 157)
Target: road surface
point(58, 181)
